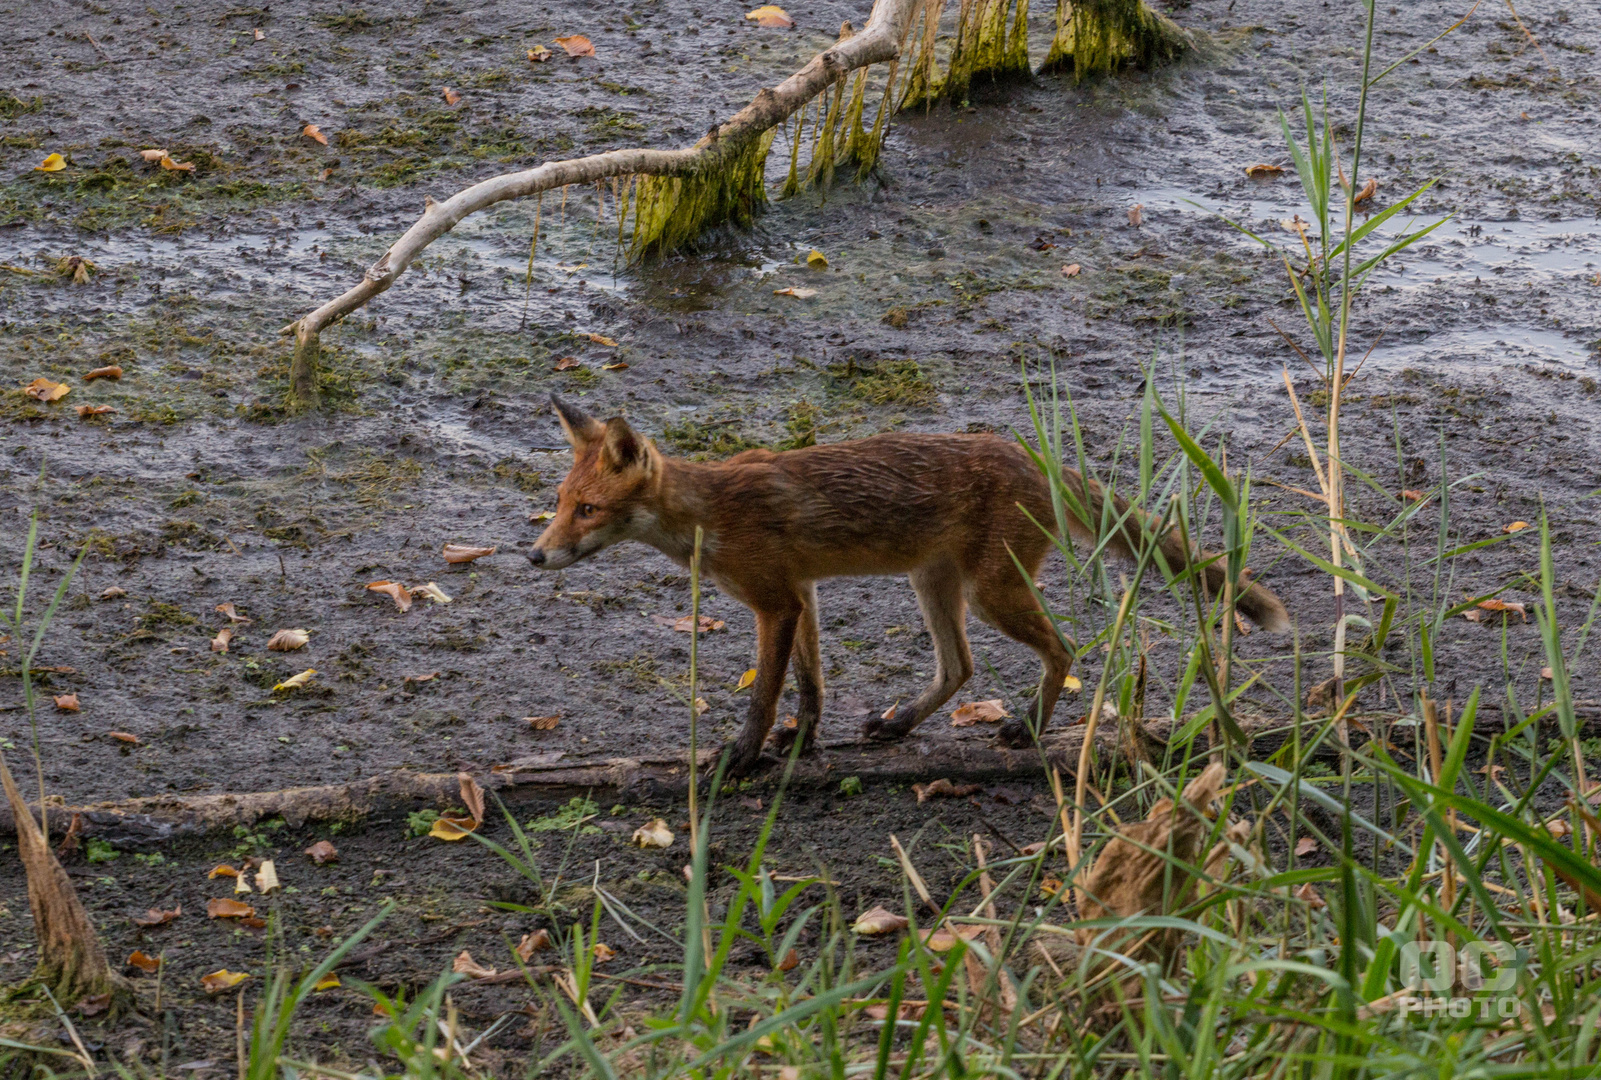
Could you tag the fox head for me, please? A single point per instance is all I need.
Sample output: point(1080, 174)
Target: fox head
point(609, 494)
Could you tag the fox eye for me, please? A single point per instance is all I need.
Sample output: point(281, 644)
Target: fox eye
point(587, 510)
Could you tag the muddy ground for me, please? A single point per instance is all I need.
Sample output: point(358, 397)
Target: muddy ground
point(945, 273)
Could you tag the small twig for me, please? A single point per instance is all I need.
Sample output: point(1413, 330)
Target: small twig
point(109, 59)
point(61, 1014)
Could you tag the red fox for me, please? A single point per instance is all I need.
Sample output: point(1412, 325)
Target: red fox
point(949, 511)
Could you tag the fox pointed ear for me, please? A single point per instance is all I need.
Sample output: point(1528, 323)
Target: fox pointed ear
point(622, 448)
point(580, 428)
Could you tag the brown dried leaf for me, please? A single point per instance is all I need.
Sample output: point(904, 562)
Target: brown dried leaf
point(685, 624)
point(1305, 846)
point(879, 921)
point(222, 979)
point(944, 937)
point(220, 642)
point(223, 870)
point(1136, 214)
point(124, 737)
point(462, 553)
point(1514, 606)
point(798, 292)
point(1071, 270)
point(147, 964)
point(542, 723)
point(430, 677)
point(615, 365)
point(451, 97)
point(464, 964)
point(66, 702)
point(329, 981)
point(233, 616)
point(943, 787)
point(157, 917)
point(311, 131)
point(224, 908)
point(567, 363)
point(790, 962)
point(539, 54)
point(323, 852)
point(538, 941)
point(472, 794)
point(395, 591)
point(110, 371)
point(975, 712)
point(576, 45)
point(176, 166)
point(603, 952)
point(152, 156)
point(44, 390)
point(1369, 189)
point(1310, 895)
point(1412, 495)
point(1263, 170)
point(600, 339)
point(288, 640)
point(86, 411)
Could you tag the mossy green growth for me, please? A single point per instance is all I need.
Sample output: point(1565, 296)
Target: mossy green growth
point(670, 211)
point(1096, 36)
point(991, 41)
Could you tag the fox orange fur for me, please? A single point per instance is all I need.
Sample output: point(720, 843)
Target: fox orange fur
point(950, 511)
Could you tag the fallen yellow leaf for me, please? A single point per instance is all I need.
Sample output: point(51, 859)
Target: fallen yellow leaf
point(311, 131)
point(223, 870)
point(329, 981)
point(176, 166)
point(770, 15)
point(45, 390)
point(1516, 526)
point(600, 339)
point(452, 828)
point(539, 54)
point(1263, 170)
point(817, 260)
point(1073, 683)
point(603, 952)
point(147, 964)
point(222, 979)
point(152, 156)
point(542, 723)
point(451, 97)
point(220, 642)
point(653, 834)
point(747, 679)
point(1369, 189)
point(295, 682)
point(66, 702)
point(52, 163)
point(615, 365)
point(797, 292)
point(266, 877)
point(432, 592)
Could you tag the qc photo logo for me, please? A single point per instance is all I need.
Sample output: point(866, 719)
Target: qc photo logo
point(1435, 969)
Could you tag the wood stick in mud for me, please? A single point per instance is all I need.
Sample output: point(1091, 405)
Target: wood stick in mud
point(879, 41)
point(71, 961)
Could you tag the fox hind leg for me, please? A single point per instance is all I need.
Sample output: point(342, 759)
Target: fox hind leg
point(808, 660)
point(939, 595)
point(1004, 601)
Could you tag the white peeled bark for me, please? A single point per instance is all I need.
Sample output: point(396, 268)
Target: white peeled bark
point(879, 41)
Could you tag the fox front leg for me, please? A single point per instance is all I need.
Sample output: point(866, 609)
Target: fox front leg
point(775, 638)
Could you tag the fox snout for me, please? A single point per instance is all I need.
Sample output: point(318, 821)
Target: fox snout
point(553, 558)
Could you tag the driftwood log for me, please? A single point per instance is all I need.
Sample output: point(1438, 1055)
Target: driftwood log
point(151, 821)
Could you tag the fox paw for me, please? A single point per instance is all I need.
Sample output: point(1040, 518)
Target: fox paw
point(1015, 735)
point(783, 738)
point(887, 730)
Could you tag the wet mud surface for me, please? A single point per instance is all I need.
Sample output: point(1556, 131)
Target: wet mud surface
point(944, 277)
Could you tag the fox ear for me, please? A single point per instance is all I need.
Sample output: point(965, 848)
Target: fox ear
point(623, 448)
point(580, 428)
